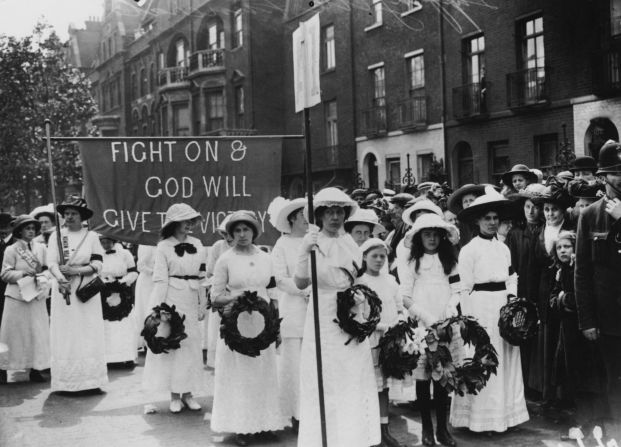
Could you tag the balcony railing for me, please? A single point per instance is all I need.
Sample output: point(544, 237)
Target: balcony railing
point(469, 100)
point(412, 113)
point(374, 121)
point(207, 60)
point(528, 87)
point(226, 132)
point(608, 69)
point(172, 75)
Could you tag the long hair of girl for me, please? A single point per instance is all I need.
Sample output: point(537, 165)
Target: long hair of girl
point(446, 253)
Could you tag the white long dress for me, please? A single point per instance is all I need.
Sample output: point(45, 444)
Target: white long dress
point(246, 388)
point(350, 390)
point(213, 323)
point(178, 371)
point(120, 335)
point(292, 307)
point(501, 403)
point(144, 287)
point(25, 326)
point(77, 340)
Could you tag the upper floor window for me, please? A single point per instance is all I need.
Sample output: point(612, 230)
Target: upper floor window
point(180, 53)
point(238, 29)
point(215, 36)
point(377, 12)
point(415, 66)
point(615, 17)
point(332, 134)
point(378, 84)
point(161, 60)
point(134, 86)
point(240, 108)
point(475, 59)
point(144, 89)
point(533, 52)
point(328, 55)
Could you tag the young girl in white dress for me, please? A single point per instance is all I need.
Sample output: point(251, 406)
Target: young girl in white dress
point(376, 277)
point(178, 270)
point(246, 400)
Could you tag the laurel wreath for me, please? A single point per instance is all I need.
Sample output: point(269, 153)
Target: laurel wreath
point(229, 331)
point(394, 359)
point(125, 306)
point(518, 321)
point(346, 316)
point(159, 345)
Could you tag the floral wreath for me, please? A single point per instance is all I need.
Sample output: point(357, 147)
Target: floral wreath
point(400, 349)
point(346, 301)
point(164, 313)
point(121, 310)
point(518, 321)
point(471, 376)
point(252, 347)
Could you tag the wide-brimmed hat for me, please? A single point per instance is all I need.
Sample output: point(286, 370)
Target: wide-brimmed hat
point(492, 200)
point(280, 208)
point(364, 216)
point(247, 217)
point(359, 192)
point(332, 196)
point(77, 203)
point(5, 221)
point(427, 221)
point(21, 221)
point(519, 169)
point(454, 200)
point(532, 191)
point(585, 163)
point(44, 210)
point(388, 192)
point(555, 195)
point(401, 199)
point(373, 242)
point(420, 205)
point(179, 212)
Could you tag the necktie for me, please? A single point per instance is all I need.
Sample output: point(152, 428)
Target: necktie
point(183, 248)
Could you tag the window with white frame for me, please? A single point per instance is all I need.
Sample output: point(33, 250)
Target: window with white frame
point(415, 65)
point(332, 133)
point(377, 12)
point(180, 55)
point(238, 30)
point(328, 55)
point(378, 84)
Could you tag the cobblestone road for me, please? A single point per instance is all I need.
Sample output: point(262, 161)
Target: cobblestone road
point(32, 416)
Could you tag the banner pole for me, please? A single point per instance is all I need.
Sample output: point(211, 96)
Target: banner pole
point(59, 242)
point(313, 258)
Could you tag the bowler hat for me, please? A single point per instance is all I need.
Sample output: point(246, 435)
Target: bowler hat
point(583, 164)
point(519, 169)
point(21, 221)
point(77, 203)
point(5, 221)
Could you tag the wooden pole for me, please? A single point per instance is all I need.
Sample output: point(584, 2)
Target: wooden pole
point(313, 259)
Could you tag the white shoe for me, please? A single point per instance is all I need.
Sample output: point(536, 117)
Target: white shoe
point(191, 403)
point(176, 406)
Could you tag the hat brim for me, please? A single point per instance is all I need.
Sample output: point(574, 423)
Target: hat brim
point(452, 233)
point(247, 220)
point(562, 202)
point(506, 210)
point(609, 170)
point(454, 201)
point(49, 214)
point(282, 224)
point(85, 213)
point(507, 177)
point(377, 227)
point(16, 229)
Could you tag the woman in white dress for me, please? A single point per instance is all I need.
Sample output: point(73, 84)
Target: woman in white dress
point(77, 340)
point(25, 326)
point(288, 218)
point(246, 400)
point(430, 289)
point(119, 265)
point(144, 286)
point(488, 282)
point(350, 389)
point(177, 272)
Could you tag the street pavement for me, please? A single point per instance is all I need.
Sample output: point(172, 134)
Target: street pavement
point(32, 416)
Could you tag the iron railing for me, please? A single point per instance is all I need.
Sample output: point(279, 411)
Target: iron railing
point(469, 100)
point(528, 87)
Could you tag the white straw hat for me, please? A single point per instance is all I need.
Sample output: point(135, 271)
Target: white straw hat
point(420, 205)
point(179, 212)
point(280, 208)
point(373, 243)
point(332, 197)
point(432, 221)
point(364, 216)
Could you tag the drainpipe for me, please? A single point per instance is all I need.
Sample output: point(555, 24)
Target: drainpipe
point(352, 53)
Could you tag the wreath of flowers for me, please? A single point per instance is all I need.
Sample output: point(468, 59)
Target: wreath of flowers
point(169, 314)
point(400, 349)
point(518, 321)
point(472, 375)
point(346, 301)
point(125, 306)
point(252, 347)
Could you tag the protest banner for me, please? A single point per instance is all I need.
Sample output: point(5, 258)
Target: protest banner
point(129, 183)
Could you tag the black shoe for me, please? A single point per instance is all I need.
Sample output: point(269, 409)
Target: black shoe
point(3, 376)
point(444, 437)
point(242, 440)
point(35, 376)
point(387, 439)
point(268, 436)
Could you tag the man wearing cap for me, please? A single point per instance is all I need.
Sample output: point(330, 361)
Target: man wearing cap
point(6, 239)
point(398, 203)
point(597, 278)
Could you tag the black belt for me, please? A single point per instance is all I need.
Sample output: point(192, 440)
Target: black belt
point(186, 277)
point(489, 287)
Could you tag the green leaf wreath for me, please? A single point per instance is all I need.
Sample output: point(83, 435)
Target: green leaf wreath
point(346, 317)
point(125, 306)
point(398, 350)
point(159, 345)
point(252, 347)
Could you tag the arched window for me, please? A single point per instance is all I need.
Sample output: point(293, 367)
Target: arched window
point(463, 161)
point(144, 89)
point(599, 131)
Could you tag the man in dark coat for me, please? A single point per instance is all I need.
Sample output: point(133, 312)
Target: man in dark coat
point(6, 239)
point(398, 203)
point(598, 272)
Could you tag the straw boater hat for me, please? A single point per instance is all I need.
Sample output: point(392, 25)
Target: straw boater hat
point(77, 203)
point(21, 221)
point(332, 197)
point(427, 221)
point(373, 242)
point(247, 217)
point(420, 205)
point(44, 210)
point(179, 212)
point(280, 209)
point(492, 200)
point(454, 200)
point(364, 216)
point(519, 169)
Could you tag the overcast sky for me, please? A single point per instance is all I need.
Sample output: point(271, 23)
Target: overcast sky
point(18, 17)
